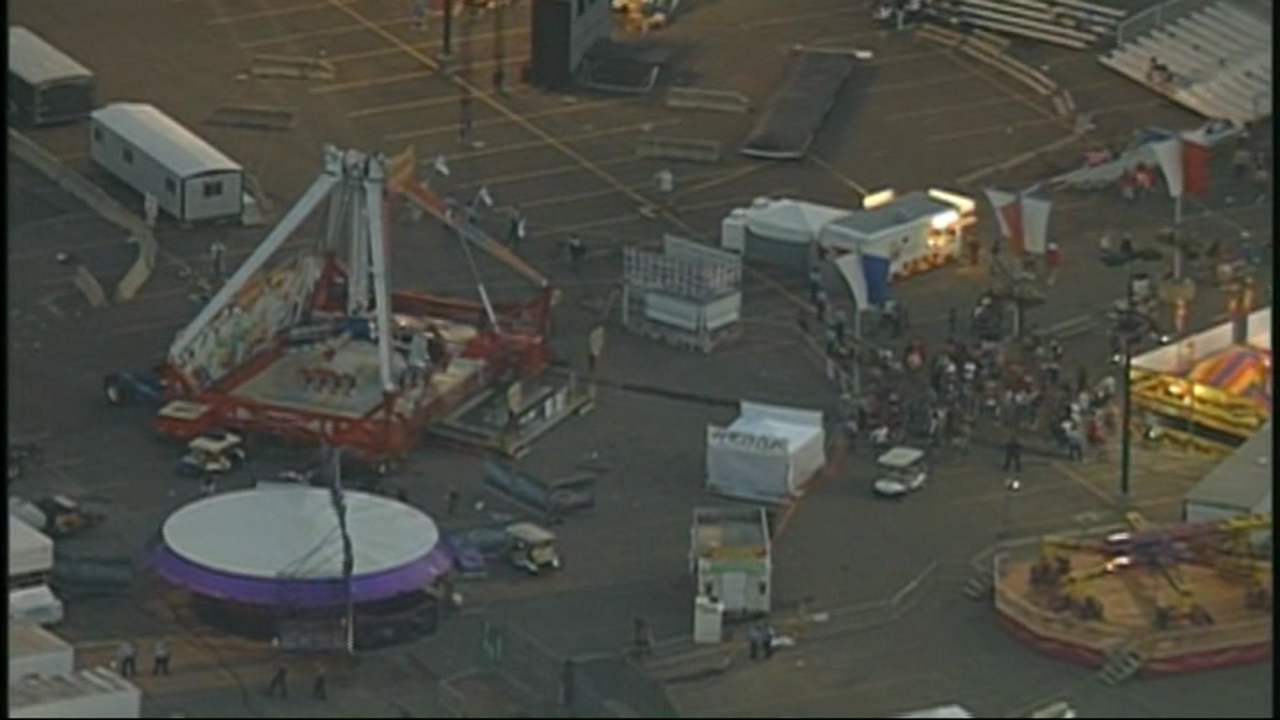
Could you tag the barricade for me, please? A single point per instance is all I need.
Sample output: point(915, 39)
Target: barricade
point(254, 117)
point(670, 148)
point(698, 99)
point(101, 203)
point(89, 287)
point(297, 67)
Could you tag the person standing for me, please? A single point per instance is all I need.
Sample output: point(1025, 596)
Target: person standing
point(577, 252)
point(953, 319)
point(643, 640)
point(1052, 261)
point(451, 500)
point(1013, 455)
point(127, 657)
point(279, 681)
point(420, 15)
point(319, 689)
point(161, 664)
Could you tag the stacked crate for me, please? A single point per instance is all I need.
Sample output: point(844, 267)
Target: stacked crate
point(688, 295)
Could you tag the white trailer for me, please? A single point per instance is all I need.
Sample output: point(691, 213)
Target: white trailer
point(917, 231)
point(92, 693)
point(731, 559)
point(30, 554)
point(46, 86)
point(36, 651)
point(152, 153)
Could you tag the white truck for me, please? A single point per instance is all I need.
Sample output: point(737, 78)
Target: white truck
point(731, 560)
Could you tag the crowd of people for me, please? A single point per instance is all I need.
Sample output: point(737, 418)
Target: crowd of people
point(1009, 392)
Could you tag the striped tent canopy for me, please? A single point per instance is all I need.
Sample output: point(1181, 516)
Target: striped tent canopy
point(1241, 370)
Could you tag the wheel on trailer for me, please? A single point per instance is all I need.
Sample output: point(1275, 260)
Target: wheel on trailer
point(115, 390)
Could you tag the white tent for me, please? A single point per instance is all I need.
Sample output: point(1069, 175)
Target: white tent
point(30, 551)
point(767, 454)
point(35, 606)
point(793, 221)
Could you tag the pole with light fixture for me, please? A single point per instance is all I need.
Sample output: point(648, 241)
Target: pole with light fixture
point(1128, 324)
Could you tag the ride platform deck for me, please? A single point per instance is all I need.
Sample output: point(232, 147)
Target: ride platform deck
point(1129, 596)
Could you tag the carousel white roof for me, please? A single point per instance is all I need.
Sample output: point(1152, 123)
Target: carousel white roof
point(283, 531)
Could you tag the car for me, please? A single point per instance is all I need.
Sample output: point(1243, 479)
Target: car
point(213, 453)
point(901, 471)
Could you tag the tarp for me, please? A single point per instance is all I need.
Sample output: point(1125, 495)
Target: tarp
point(767, 454)
point(793, 221)
point(30, 551)
point(35, 606)
point(867, 273)
point(1242, 482)
point(797, 108)
point(1241, 371)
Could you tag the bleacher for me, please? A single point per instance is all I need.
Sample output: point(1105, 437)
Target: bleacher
point(1218, 58)
point(1076, 24)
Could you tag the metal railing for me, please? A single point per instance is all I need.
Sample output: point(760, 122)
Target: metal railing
point(1154, 18)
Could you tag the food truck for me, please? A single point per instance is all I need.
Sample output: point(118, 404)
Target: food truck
point(918, 231)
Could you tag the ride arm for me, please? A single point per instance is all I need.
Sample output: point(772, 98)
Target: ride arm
point(318, 191)
point(433, 205)
point(373, 189)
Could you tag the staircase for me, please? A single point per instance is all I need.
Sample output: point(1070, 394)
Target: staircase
point(1219, 54)
point(1122, 662)
point(1075, 24)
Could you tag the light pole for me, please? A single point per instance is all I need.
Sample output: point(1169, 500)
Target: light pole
point(1129, 322)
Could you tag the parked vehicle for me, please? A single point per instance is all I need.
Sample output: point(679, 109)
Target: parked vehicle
point(533, 548)
point(127, 388)
point(213, 453)
point(900, 471)
point(55, 516)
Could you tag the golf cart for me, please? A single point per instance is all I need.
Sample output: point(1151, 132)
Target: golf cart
point(212, 453)
point(900, 471)
point(533, 548)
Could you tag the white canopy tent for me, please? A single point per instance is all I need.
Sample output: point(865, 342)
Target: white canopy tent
point(767, 454)
point(30, 551)
point(793, 221)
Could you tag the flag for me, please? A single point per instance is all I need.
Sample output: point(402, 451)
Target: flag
point(1023, 219)
point(1008, 215)
point(850, 267)
point(1035, 221)
point(441, 166)
point(484, 196)
point(1184, 162)
point(1195, 163)
point(1168, 154)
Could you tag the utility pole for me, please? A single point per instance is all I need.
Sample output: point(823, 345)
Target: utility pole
point(499, 46)
point(446, 44)
point(465, 100)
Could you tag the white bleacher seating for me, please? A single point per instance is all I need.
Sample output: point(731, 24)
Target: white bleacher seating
point(1076, 24)
point(1219, 54)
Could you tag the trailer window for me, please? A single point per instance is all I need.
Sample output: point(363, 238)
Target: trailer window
point(213, 189)
point(170, 186)
point(127, 154)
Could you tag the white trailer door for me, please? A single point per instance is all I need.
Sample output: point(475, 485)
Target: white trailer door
point(734, 587)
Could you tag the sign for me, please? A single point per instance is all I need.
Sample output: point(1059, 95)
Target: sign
point(746, 442)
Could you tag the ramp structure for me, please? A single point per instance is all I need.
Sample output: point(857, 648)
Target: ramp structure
point(797, 109)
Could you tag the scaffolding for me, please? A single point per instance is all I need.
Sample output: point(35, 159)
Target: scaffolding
point(688, 295)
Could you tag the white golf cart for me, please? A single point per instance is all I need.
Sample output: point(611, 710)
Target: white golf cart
point(212, 453)
point(900, 471)
point(533, 548)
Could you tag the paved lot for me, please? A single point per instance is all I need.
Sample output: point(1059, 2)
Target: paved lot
point(568, 162)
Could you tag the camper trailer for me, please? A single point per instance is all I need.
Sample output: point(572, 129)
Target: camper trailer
point(45, 85)
point(152, 153)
